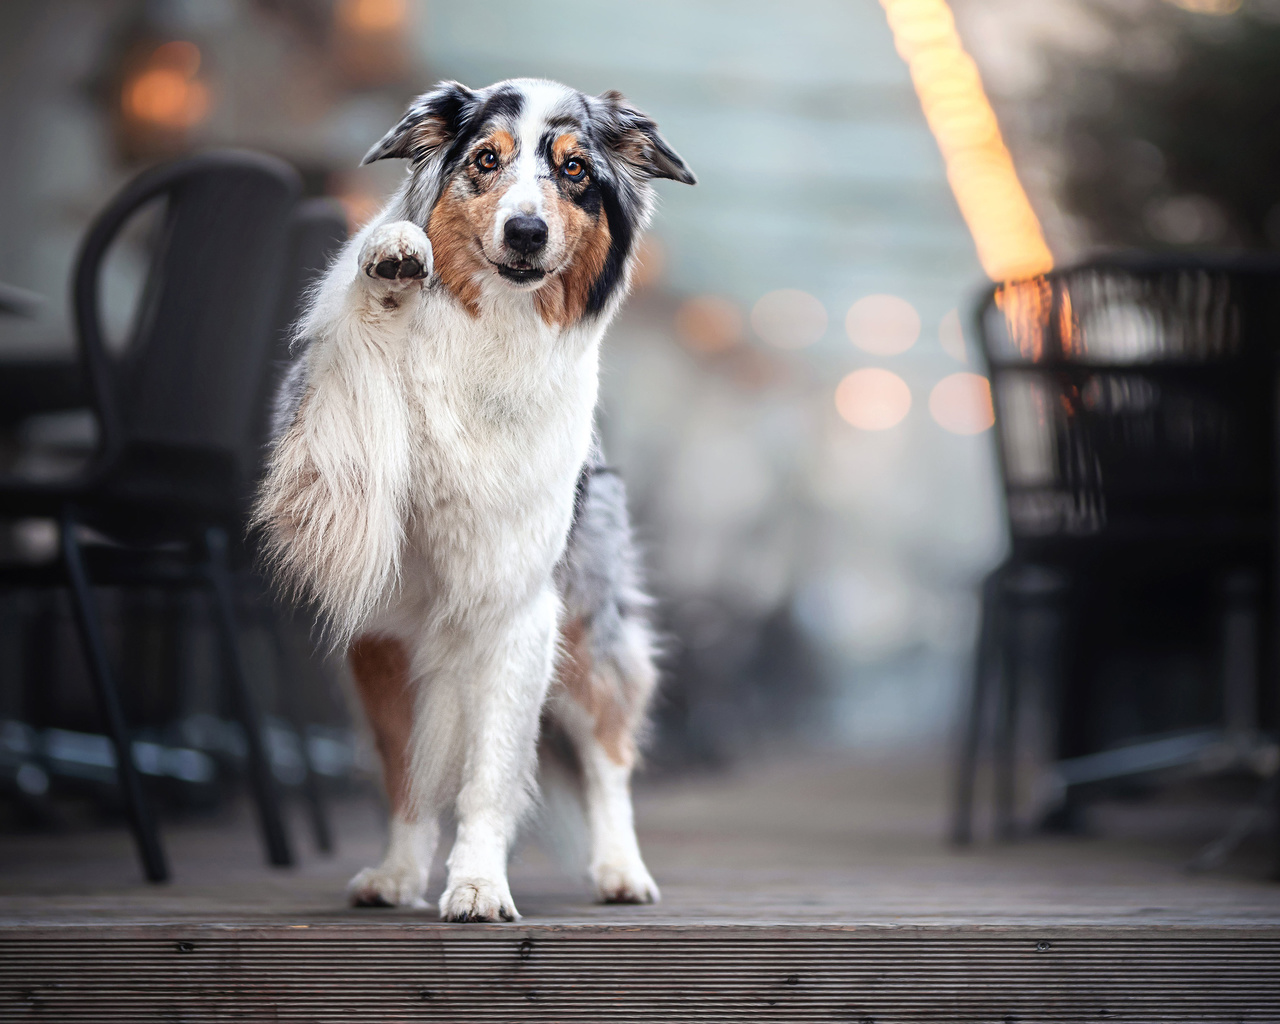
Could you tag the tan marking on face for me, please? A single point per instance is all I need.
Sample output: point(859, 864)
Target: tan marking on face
point(563, 148)
point(606, 704)
point(456, 224)
point(380, 666)
point(563, 299)
point(463, 217)
point(503, 144)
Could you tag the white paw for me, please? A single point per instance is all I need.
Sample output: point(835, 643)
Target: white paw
point(396, 255)
point(478, 899)
point(624, 883)
point(388, 886)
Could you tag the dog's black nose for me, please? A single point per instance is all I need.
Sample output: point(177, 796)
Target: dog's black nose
point(525, 234)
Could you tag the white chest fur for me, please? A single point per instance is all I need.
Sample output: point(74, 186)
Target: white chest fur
point(499, 414)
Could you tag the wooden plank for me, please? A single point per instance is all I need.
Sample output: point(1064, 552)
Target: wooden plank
point(587, 973)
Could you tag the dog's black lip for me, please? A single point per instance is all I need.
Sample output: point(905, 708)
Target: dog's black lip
point(521, 274)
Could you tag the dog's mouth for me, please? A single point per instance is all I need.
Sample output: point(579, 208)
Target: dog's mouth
point(520, 271)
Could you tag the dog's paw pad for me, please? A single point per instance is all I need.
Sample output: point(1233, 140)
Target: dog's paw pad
point(624, 884)
point(396, 254)
point(478, 899)
point(409, 268)
point(387, 887)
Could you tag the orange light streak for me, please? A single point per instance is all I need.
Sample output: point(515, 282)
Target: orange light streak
point(1005, 229)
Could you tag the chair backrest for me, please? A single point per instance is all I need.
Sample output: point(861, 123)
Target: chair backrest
point(1136, 400)
point(178, 406)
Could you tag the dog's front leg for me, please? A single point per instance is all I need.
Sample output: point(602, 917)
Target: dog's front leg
point(497, 780)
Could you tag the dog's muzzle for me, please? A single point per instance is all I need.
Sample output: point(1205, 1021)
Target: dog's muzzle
point(524, 237)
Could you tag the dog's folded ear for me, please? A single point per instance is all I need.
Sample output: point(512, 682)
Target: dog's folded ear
point(634, 137)
point(432, 121)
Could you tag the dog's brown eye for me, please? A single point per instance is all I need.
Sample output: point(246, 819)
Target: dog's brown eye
point(487, 160)
point(573, 170)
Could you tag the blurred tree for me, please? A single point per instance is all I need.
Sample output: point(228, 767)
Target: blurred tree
point(1171, 135)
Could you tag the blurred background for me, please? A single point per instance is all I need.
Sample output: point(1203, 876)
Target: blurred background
point(795, 393)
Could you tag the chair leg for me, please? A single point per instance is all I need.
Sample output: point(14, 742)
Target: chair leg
point(311, 784)
point(263, 782)
point(95, 652)
point(1005, 748)
point(986, 661)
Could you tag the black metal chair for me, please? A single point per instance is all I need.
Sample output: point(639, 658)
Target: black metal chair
point(178, 413)
point(1136, 413)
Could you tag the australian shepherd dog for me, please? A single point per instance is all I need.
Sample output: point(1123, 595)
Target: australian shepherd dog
point(435, 488)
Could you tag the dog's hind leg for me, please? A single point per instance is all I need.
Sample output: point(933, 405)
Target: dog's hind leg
point(600, 702)
point(380, 666)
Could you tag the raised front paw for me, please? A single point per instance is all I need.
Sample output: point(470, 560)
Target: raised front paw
point(388, 886)
point(478, 899)
point(624, 883)
point(396, 254)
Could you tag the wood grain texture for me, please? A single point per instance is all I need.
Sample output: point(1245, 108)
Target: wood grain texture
point(600, 974)
point(801, 892)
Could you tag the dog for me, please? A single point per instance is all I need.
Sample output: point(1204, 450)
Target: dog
point(436, 489)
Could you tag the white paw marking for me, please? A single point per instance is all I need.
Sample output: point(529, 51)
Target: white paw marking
point(396, 255)
point(624, 883)
point(388, 886)
point(478, 899)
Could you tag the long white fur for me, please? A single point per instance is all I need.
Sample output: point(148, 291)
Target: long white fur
point(427, 482)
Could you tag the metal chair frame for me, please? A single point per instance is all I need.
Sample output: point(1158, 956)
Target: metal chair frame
point(144, 489)
point(1222, 526)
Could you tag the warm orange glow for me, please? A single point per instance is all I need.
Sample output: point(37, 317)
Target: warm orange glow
point(789, 318)
point(371, 16)
point(951, 336)
point(179, 55)
point(882, 324)
point(961, 403)
point(1005, 230)
point(1026, 306)
point(165, 92)
point(1208, 6)
point(709, 324)
point(873, 399)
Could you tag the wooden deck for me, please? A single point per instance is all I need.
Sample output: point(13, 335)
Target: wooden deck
point(797, 891)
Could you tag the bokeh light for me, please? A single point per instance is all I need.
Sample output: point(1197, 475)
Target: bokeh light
point(371, 16)
point(709, 324)
point(961, 403)
point(951, 336)
point(884, 325)
point(1005, 229)
point(873, 399)
point(789, 318)
point(1208, 6)
point(164, 92)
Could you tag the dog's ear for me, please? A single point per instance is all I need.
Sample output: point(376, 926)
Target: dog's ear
point(432, 121)
point(635, 138)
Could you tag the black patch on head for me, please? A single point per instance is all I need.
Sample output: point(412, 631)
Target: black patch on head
point(590, 198)
point(505, 103)
point(621, 235)
point(629, 152)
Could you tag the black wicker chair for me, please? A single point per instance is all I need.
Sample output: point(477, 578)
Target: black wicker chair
point(1136, 411)
point(179, 425)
